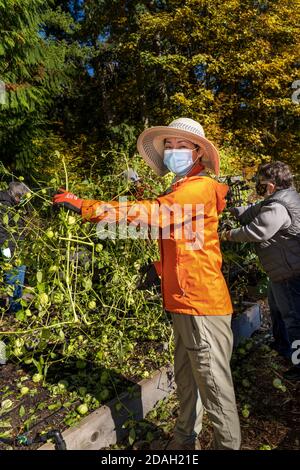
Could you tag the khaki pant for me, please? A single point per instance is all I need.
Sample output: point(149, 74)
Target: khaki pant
point(203, 347)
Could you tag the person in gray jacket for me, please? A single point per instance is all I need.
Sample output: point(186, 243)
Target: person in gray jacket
point(274, 226)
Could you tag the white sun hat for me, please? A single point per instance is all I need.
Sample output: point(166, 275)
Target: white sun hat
point(150, 144)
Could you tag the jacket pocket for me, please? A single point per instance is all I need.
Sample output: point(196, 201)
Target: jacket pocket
point(171, 273)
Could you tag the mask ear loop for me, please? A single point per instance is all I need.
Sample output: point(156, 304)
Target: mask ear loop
point(200, 155)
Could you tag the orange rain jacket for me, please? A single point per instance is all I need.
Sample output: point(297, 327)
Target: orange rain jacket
point(191, 278)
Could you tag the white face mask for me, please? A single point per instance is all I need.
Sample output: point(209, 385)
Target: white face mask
point(179, 161)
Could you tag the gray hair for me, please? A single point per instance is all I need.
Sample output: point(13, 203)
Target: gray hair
point(17, 190)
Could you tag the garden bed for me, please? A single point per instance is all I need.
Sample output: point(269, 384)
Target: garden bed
point(70, 392)
point(75, 389)
point(112, 422)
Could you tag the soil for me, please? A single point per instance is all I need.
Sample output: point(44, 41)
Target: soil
point(10, 375)
point(38, 420)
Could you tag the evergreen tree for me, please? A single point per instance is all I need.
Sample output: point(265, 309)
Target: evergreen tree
point(33, 71)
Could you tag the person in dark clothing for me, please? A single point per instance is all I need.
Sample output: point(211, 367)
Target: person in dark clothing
point(11, 233)
point(274, 226)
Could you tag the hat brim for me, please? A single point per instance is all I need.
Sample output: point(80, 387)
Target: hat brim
point(150, 146)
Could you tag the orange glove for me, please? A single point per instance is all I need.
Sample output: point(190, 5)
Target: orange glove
point(68, 200)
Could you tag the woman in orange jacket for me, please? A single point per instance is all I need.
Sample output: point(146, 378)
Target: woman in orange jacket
point(193, 287)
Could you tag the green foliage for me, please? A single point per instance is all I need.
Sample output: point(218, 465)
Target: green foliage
point(34, 70)
point(229, 65)
point(83, 301)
